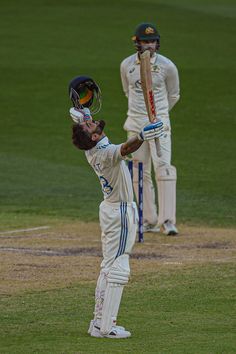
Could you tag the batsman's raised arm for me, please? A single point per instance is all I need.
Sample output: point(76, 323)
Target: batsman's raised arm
point(131, 145)
point(151, 131)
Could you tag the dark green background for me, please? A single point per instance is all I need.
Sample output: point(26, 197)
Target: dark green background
point(44, 44)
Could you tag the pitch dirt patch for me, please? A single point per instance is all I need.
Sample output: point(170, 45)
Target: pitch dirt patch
point(70, 254)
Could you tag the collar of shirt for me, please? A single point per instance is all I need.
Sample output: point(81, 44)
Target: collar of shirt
point(152, 60)
point(100, 145)
point(103, 141)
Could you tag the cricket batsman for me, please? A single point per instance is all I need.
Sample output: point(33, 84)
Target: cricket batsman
point(118, 212)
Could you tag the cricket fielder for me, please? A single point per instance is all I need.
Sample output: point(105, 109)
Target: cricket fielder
point(118, 212)
point(166, 92)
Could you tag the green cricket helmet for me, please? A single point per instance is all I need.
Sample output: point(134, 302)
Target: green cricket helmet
point(146, 32)
point(84, 92)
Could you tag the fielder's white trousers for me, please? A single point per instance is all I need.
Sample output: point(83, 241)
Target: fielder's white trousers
point(147, 154)
point(118, 223)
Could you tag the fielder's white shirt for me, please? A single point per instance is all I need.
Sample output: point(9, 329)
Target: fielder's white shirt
point(165, 87)
point(112, 171)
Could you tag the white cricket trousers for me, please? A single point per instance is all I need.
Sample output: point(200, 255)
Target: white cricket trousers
point(118, 223)
point(147, 154)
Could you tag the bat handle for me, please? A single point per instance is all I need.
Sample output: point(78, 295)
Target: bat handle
point(158, 147)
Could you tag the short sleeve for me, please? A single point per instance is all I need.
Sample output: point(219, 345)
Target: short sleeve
point(112, 155)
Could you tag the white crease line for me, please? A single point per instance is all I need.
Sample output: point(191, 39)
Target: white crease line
point(24, 230)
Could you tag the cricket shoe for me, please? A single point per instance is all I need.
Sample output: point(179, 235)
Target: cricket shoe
point(95, 323)
point(150, 228)
point(115, 333)
point(169, 229)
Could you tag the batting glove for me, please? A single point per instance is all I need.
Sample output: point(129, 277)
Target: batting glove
point(152, 131)
point(80, 115)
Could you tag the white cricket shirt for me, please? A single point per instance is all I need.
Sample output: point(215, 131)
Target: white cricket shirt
point(112, 171)
point(165, 87)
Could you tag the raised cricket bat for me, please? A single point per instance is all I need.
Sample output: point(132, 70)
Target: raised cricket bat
point(146, 83)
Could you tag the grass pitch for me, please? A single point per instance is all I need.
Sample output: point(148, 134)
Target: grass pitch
point(182, 292)
point(47, 43)
point(180, 298)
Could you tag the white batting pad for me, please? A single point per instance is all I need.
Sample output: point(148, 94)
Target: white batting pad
point(117, 277)
point(99, 295)
point(120, 270)
point(111, 306)
point(166, 181)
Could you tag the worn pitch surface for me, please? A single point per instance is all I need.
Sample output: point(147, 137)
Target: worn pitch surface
point(70, 254)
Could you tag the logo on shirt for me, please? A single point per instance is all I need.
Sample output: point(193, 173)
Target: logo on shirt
point(131, 70)
point(138, 86)
point(102, 146)
point(97, 167)
point(155, 68)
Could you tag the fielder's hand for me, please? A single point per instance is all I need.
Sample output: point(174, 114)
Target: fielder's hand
point(80, 115)
point(152, 131)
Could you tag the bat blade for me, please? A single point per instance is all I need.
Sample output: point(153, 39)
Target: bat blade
point(146, 83)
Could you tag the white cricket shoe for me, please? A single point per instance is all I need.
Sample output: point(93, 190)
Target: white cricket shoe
point(91, 326)
point(169, 229)
point(150, 228)
point(115, 333)
point(93, 322)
